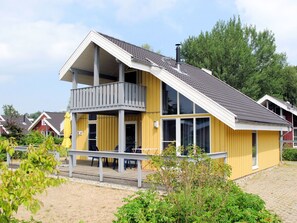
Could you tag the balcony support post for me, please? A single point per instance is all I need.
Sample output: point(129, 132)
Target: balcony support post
point(74, 79)
point(73, 137)
point(121, 127)
point(96, 64)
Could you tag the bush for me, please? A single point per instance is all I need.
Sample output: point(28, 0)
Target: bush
point(196, 190)
point(290, 154)
point(19, 187)
point(32, 138)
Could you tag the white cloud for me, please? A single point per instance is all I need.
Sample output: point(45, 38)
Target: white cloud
point(134, 11)
point(279, 16)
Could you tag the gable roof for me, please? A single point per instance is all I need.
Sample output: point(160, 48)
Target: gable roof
point(22, 121)
point(221, 100)
point(53, 119)
point(283, 104)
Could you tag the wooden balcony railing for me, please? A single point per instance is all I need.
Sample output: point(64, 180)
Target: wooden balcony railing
point(109, 96)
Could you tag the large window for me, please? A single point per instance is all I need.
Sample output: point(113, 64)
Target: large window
point(174, 103)
point(187, 132)
point(185, 105)
point(202, 134)
point(169, 132)
point(169, 100)
point(254, 150)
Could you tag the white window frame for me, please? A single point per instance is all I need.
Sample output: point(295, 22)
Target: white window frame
point(43, 123)
point(256, 166)
point(177, 102)
point(178, 130)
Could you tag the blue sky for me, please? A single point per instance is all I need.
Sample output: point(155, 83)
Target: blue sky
point(38, 36)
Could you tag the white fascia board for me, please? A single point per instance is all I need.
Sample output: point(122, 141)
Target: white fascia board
point(37, 120)
point(278, 103)
point(102, 42)
point(52, 127)
point(2, 119)
point(260, 126)
point(192, 94)
point(4, 129)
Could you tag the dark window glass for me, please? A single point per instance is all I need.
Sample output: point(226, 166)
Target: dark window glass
point(92, 135)
point(185, 105)
point(187, 134)
point(169, 98)
point(202, 134)
point(199, 110)
point(169, 132)
point(295, 120)
point(92, 116)
point(130, 77)
point(254, 148)
point(274, 108)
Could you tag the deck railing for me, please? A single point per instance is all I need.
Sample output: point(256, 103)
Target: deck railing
point(116, 155)
point(109, 97)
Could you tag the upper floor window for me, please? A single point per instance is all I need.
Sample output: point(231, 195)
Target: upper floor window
point(169, 96)
point(43, 122)
point(174, 103)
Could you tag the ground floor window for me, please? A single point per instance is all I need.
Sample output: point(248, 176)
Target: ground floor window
point(186, 132)
point(254, 150)
point(169, 132)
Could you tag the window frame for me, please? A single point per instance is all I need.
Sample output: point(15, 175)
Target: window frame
point(177, 103)
point(256, 165)
point(178, 130)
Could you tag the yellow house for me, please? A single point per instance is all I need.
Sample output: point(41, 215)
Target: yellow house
point(139, 98)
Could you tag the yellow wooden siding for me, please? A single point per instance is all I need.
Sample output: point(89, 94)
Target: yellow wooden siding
point(238, 145)
point(268, 149)
point(82, 126)
point(150, 134)
point(107, 130)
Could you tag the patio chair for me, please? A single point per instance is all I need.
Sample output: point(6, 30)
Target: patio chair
point(129, 149)
point(105, 162)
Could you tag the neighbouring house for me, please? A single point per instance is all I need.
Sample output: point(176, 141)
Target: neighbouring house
point(49, 123)
point(22, 121)
point(141, 98)
point(285, 110)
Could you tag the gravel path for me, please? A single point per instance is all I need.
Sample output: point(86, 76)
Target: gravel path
point(278, 188)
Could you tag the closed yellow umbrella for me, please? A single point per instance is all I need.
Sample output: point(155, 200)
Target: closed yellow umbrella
point(67, 131)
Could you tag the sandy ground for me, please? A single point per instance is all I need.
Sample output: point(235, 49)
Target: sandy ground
point(78, 202)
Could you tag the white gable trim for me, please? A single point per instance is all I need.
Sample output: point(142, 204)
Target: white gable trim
point(5, 130)
point(38, 120)
point(278, 103)
point(102, 42)
point(52, 127)
point(2, 119)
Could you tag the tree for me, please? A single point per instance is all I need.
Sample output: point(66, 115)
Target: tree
point(34, 115)
point(12, 115)
point(239, 55)
point(148, 47)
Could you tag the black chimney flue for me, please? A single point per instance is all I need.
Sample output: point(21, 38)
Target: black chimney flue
point(177, 58)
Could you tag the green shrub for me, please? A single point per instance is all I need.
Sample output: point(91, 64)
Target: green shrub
point(19, 187)
point(196, 190)
point(290, 154)
point(32, 138)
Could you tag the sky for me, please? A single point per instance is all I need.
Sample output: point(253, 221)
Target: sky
point(38, 36)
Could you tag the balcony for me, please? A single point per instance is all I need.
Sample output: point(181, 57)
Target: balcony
point(109, 97)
